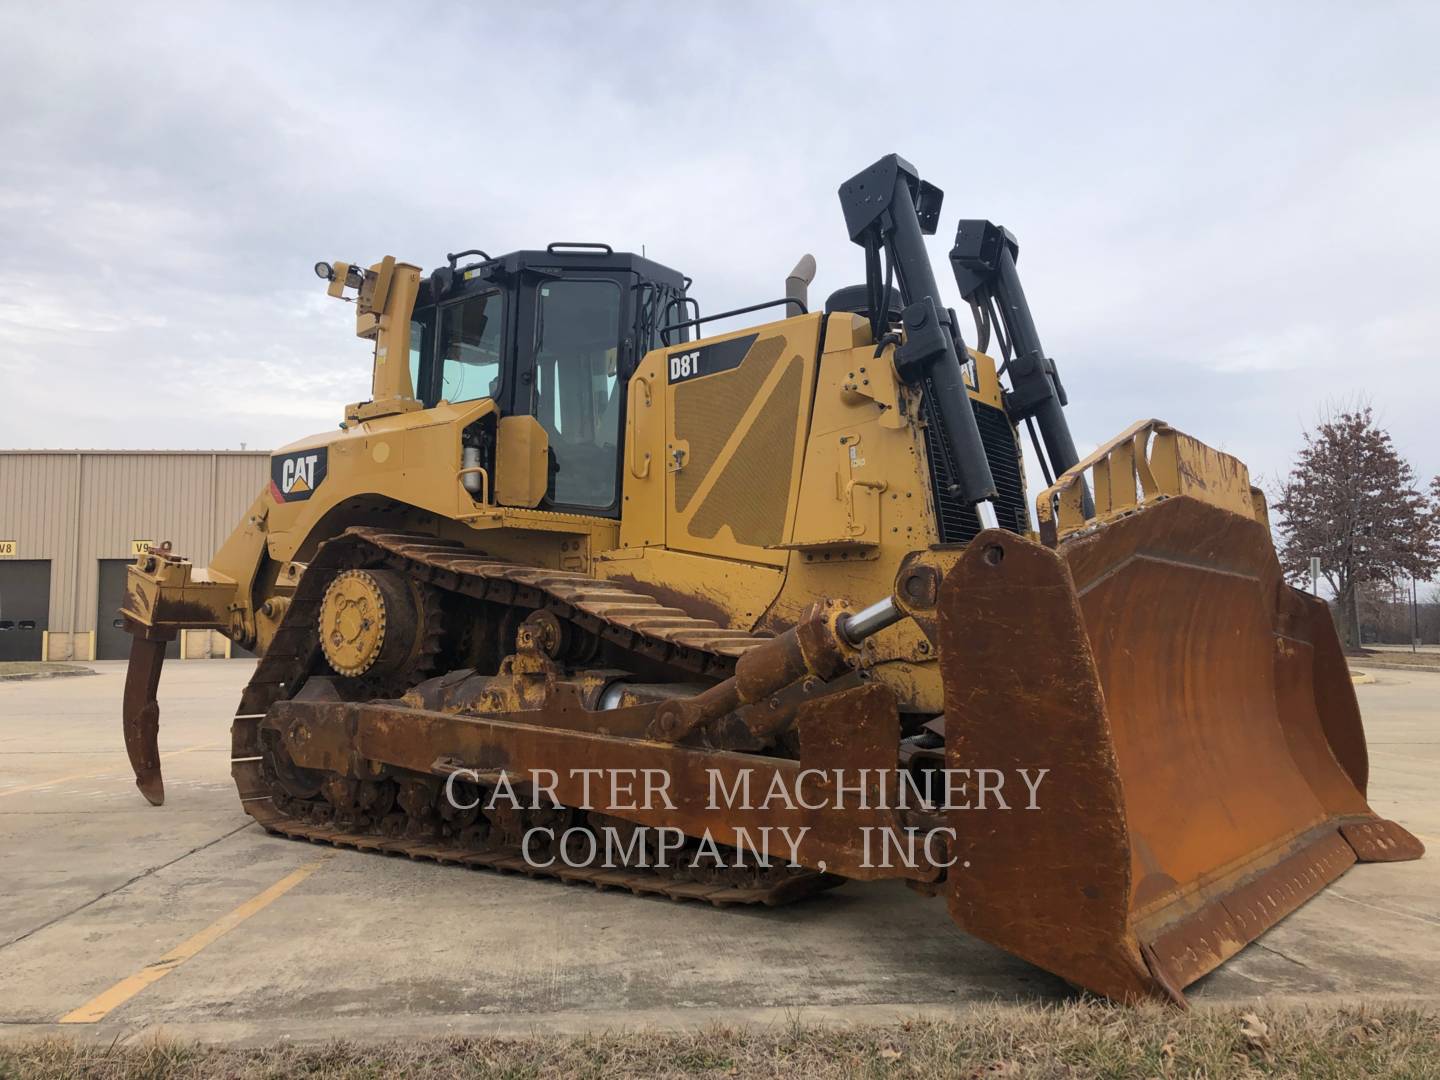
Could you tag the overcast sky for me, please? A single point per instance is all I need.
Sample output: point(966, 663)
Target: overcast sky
point(1227, 219)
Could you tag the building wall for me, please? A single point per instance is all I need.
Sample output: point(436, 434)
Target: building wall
point(78, 507)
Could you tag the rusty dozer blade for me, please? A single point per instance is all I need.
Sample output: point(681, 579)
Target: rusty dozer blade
point(141, 714)
point(1206, 762)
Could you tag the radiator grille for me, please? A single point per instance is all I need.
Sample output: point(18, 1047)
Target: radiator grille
point(957, 522)
point(751, 494)
point(708, 410)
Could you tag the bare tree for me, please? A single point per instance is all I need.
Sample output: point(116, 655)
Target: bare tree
point(1353, 501)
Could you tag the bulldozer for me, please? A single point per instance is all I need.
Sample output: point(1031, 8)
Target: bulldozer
point(782, 580)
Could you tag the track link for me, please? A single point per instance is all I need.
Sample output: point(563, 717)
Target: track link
point(622, 615)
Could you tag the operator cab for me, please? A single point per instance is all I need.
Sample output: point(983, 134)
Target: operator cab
point(552, 334)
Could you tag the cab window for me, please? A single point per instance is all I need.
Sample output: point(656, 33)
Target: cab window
point(470, 348)
point(577, 396)
point(420, 344)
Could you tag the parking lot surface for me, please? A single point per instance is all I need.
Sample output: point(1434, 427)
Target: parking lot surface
point(123, 919)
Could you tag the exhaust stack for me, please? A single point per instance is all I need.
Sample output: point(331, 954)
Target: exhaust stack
point(797, 284)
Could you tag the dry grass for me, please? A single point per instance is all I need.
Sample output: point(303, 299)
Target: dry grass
point(1079, 1040)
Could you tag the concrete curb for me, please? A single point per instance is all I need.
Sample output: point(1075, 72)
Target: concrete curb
point(368, 1030)
point(1382, 665)
point(1361, 678)
point(28, 675)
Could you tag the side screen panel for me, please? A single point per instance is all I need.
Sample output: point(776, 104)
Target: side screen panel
point(737, 414)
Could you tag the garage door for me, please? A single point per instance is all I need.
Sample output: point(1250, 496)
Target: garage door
point(24, 607)
point(111, 640)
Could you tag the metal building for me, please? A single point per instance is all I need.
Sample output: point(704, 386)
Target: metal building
point(71, 520)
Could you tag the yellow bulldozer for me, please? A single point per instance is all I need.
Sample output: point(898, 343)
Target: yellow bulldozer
point(583, 593)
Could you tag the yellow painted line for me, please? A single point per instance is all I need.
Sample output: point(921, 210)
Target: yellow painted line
point(94, 775)
point(97, 1008)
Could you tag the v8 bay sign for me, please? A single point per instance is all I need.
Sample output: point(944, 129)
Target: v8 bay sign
point(294, 477)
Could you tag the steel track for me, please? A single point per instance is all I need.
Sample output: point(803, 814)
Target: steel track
point(619, 614)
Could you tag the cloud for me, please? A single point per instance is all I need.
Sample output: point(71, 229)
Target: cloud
point(1226, 216)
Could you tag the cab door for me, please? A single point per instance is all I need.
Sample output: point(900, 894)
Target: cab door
point(575, 389)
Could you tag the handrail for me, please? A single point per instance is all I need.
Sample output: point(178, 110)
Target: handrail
point(577, 245)
point(636, 469)
point(684, 302)
point(665, 330)
point(484, 475)
point(455, 256)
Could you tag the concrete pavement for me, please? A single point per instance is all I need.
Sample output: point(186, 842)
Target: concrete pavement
point(98, 886)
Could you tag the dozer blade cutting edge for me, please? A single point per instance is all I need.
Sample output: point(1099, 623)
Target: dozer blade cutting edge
point(1207, 765)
